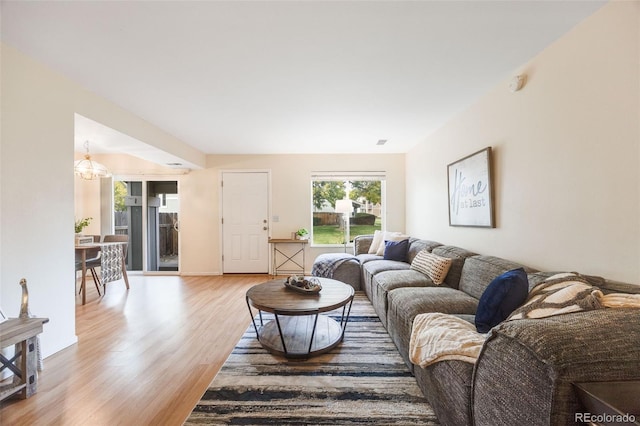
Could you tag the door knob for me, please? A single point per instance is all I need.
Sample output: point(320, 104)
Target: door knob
point(264, 228)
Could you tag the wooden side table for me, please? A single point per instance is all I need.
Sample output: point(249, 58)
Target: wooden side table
point(609, 403)
point(288, 260)
point(21, 331)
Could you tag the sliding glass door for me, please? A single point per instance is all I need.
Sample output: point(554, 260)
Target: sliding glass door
point(148, 212)
point(162, 225)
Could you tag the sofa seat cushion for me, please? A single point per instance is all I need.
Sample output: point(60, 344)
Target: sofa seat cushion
point(376, 266)
point(386, 281)
point(406, 302)
point(447, 387)
point(373, 267)
point(365, 257)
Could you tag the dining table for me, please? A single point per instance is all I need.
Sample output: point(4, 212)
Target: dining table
point(81, 252)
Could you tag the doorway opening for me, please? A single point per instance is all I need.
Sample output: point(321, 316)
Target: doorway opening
point(148, 212)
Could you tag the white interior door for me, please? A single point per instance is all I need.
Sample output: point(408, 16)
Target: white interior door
point(245, 222)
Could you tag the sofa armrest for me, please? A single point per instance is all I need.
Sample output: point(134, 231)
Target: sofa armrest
point(361, 244)
point(525, 371)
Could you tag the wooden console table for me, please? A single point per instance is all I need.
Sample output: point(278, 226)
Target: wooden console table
point(289, 258)
point(21, 331)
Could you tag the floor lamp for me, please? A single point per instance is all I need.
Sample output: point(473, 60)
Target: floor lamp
point(345, 207)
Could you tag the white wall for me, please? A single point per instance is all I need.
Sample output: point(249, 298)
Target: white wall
point(37, 186)
point(290, 199)
point(200, 228)
point(37, 198)
point(567, 156)
point(87, 203)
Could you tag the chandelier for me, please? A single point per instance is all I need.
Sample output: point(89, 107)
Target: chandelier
point(89, 169)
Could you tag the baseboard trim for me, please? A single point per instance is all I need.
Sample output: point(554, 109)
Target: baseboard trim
point(199, 274)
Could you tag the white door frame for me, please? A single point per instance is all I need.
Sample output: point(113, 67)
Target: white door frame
point(220, 210)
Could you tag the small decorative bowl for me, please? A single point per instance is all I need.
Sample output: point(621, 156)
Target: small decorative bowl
point(303, 284)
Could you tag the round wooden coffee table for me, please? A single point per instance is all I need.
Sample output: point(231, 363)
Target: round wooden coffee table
point(298, 330)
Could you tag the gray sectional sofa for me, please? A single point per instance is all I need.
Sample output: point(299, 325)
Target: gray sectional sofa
point(525, 370)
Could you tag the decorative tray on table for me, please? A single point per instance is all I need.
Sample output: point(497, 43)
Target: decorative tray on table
point(303, 284)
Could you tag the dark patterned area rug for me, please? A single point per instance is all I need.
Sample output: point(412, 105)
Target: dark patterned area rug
point(362, 381)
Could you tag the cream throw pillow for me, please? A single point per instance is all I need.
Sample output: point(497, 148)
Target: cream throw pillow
point(377, 238)
point(389, 236)
point(434, 266)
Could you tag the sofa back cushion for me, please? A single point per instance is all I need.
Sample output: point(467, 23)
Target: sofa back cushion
point(416, 245)
point(479, 271)
point(457, 256)
point(361, 244)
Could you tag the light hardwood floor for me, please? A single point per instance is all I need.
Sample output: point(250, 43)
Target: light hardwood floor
point(143, 357)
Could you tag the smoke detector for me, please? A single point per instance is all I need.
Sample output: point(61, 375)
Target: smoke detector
point(517, 83)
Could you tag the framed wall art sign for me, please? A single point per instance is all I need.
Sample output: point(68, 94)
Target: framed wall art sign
point(471, 191)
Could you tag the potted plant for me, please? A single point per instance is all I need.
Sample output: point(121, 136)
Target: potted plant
point(302, 234)
point(82, 223)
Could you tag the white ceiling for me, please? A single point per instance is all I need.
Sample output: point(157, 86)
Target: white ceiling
point(241, 77)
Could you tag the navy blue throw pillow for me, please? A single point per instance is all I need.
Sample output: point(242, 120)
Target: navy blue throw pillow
point(396, 250)
point(505, 293)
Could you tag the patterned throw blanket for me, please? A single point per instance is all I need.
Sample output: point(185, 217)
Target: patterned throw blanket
point(570, 292)
point(111, 262)
point(326, 264)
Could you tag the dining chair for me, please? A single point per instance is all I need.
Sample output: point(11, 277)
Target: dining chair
point(117, 238)
point(92, 262)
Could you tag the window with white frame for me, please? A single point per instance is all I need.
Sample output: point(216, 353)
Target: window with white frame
point(346, 205)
